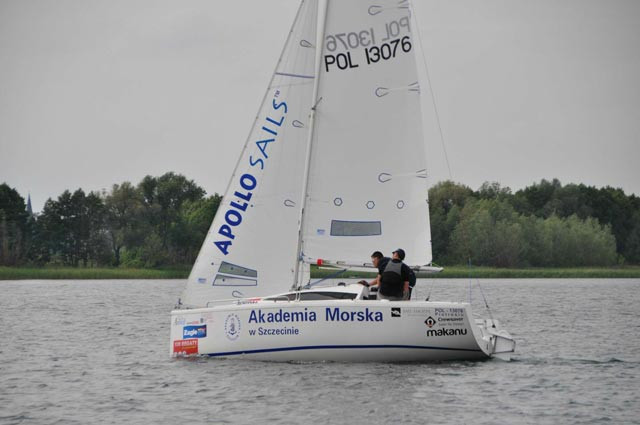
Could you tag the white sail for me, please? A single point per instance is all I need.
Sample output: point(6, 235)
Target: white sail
point(367, 187)
point(249, 249)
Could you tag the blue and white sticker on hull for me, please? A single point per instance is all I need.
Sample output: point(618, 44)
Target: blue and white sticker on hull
point(194, 331)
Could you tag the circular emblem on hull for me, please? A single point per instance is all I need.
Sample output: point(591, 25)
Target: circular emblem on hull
point(232, 327)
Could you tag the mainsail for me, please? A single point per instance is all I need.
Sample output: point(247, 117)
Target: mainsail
point(367, 187)
point(248, 249)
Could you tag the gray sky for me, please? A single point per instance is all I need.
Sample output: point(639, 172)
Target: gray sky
point(100, 92)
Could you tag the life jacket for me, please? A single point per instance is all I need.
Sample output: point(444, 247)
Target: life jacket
point(391, 280)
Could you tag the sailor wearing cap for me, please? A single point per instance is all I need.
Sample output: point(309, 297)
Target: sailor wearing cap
point(394, 281)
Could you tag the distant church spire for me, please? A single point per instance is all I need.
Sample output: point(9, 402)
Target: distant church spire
point(29, 209)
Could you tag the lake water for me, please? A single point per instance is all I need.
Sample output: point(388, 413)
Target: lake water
point(97, 352)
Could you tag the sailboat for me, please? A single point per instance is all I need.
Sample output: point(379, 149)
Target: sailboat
point(334, 168)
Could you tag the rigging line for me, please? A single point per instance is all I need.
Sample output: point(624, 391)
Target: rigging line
point(430, 289)
point(433, 282)
point(446, 157)
point(286, 74)
point(331, 276)
point(433, 96)
point(486, 304)
point(470, 278)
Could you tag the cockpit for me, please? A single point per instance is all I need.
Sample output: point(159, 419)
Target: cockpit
point(342, 291)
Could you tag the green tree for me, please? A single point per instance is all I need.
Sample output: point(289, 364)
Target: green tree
point(612, 206)
point(536, 199)
point(537, 248)
point(632, 248)
point(189, 231)
point(489, 234)
point(493, 190)
point(578, 242)
point(471, 239)
point(71, 230)
point(446, 200)
point(608, 205)
point(163, 198)
point(13, 226)
point(126, 227)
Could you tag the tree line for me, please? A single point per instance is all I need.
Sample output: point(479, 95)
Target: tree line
point(162, 221)
point(543, 225)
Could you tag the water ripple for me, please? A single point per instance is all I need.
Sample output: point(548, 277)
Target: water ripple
point(96, 352)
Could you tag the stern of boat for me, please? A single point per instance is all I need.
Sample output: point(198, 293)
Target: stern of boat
point(497, 342)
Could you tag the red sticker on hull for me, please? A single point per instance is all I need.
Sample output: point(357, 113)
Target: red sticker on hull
point(185, 346)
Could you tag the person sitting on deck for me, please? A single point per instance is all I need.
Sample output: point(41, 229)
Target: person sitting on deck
point(380, 262)
point(394, 279)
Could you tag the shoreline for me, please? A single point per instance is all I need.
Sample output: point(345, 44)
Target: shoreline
point(452, 272)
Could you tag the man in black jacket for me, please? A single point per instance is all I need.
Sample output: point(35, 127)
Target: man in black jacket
point(380, 262)
point(394, 279)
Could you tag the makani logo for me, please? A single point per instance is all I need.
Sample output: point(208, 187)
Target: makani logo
point(430, 321)
point(232, 327)
point(446, 332)
point(396, 312)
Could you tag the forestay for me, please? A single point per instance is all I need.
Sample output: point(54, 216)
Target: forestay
point(250, 247)
point(367, 185)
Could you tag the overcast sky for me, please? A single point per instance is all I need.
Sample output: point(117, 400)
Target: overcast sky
point(100, 92)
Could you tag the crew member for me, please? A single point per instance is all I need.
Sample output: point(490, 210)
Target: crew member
point(380, 262)
point(394, 279)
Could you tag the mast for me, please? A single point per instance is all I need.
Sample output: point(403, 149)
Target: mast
point(319, 48)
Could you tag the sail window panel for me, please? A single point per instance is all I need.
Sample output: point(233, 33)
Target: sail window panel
point(225, 280)
point(355, 228)
point(232, 269)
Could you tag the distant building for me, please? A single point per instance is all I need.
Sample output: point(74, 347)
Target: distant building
point(29, 209)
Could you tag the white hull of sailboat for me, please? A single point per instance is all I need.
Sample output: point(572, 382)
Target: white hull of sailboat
point(341, 330)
